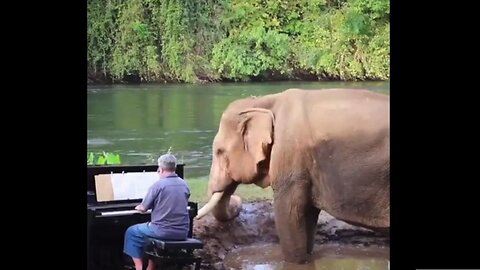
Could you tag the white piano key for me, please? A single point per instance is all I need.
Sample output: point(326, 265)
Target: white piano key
point(123, 213)
point(126, 212)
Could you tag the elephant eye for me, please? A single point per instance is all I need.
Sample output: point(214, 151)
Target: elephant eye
point(220, 151)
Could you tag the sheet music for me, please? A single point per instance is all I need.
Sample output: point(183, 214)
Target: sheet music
point(132, 185)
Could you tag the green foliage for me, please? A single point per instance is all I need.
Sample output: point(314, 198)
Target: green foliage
point(101, 23)
point(349, 43)
point(103, 159)
point(251, 52)
point(134, 51)
point(180, 40)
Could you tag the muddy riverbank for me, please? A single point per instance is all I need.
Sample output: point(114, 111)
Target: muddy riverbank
point(255, 225)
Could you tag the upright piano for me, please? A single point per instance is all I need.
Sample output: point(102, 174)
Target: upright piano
point(108, 217)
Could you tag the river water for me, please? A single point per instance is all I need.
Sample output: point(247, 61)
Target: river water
point(141, 122)
point(324, 257)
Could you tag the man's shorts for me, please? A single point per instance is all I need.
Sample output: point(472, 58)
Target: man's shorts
point(134, 237)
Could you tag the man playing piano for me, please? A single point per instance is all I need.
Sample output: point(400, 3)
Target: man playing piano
point(168, 199)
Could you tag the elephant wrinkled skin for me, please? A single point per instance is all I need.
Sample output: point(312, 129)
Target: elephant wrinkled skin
point(323, 149)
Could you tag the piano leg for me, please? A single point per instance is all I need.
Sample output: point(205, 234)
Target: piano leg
point(105, 250)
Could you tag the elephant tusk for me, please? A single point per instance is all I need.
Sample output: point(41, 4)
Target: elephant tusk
point(209, 205)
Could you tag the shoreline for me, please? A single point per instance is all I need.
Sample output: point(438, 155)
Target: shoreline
point(95, 80)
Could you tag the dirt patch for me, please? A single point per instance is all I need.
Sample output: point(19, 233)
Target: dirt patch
point(256, 224)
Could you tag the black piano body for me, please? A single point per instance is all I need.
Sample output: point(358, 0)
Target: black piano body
point(105, 231)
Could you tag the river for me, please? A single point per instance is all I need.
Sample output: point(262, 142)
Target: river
point(141, 122)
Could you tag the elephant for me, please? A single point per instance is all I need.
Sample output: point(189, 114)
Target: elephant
point(322, 149)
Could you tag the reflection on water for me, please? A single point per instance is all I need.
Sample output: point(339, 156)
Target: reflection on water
point(350, 264)
point(269, 257)
point(141, 122)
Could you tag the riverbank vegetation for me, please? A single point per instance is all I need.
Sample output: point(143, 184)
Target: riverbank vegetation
point(248, 193)
point(237, 40)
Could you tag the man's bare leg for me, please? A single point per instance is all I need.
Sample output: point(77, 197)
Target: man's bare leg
point(138, 263)
point(151, 265)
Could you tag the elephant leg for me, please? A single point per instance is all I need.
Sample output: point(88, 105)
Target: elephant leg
point(291, 225)
point(311, 222)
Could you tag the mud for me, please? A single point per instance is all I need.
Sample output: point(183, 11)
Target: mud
point(255, 226)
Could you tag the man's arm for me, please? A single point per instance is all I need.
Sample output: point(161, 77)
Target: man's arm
point(149, 199)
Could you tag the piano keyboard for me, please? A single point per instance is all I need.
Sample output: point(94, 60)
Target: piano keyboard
point(123, 213)
point(127, 212)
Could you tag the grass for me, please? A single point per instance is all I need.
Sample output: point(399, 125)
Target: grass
point(198, 191)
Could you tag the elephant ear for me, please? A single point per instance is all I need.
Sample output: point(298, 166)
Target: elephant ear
point(257, 131)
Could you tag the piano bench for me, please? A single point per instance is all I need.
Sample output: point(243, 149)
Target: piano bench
point(166, 252)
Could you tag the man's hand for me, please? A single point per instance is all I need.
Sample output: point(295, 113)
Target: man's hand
point(140, 208)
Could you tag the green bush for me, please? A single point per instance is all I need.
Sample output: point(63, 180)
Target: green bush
point(179, 40)
point(103, 159)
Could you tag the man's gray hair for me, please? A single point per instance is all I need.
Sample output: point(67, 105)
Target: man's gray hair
point(168, 162)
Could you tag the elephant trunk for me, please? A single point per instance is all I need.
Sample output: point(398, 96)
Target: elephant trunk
point(223, 205)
